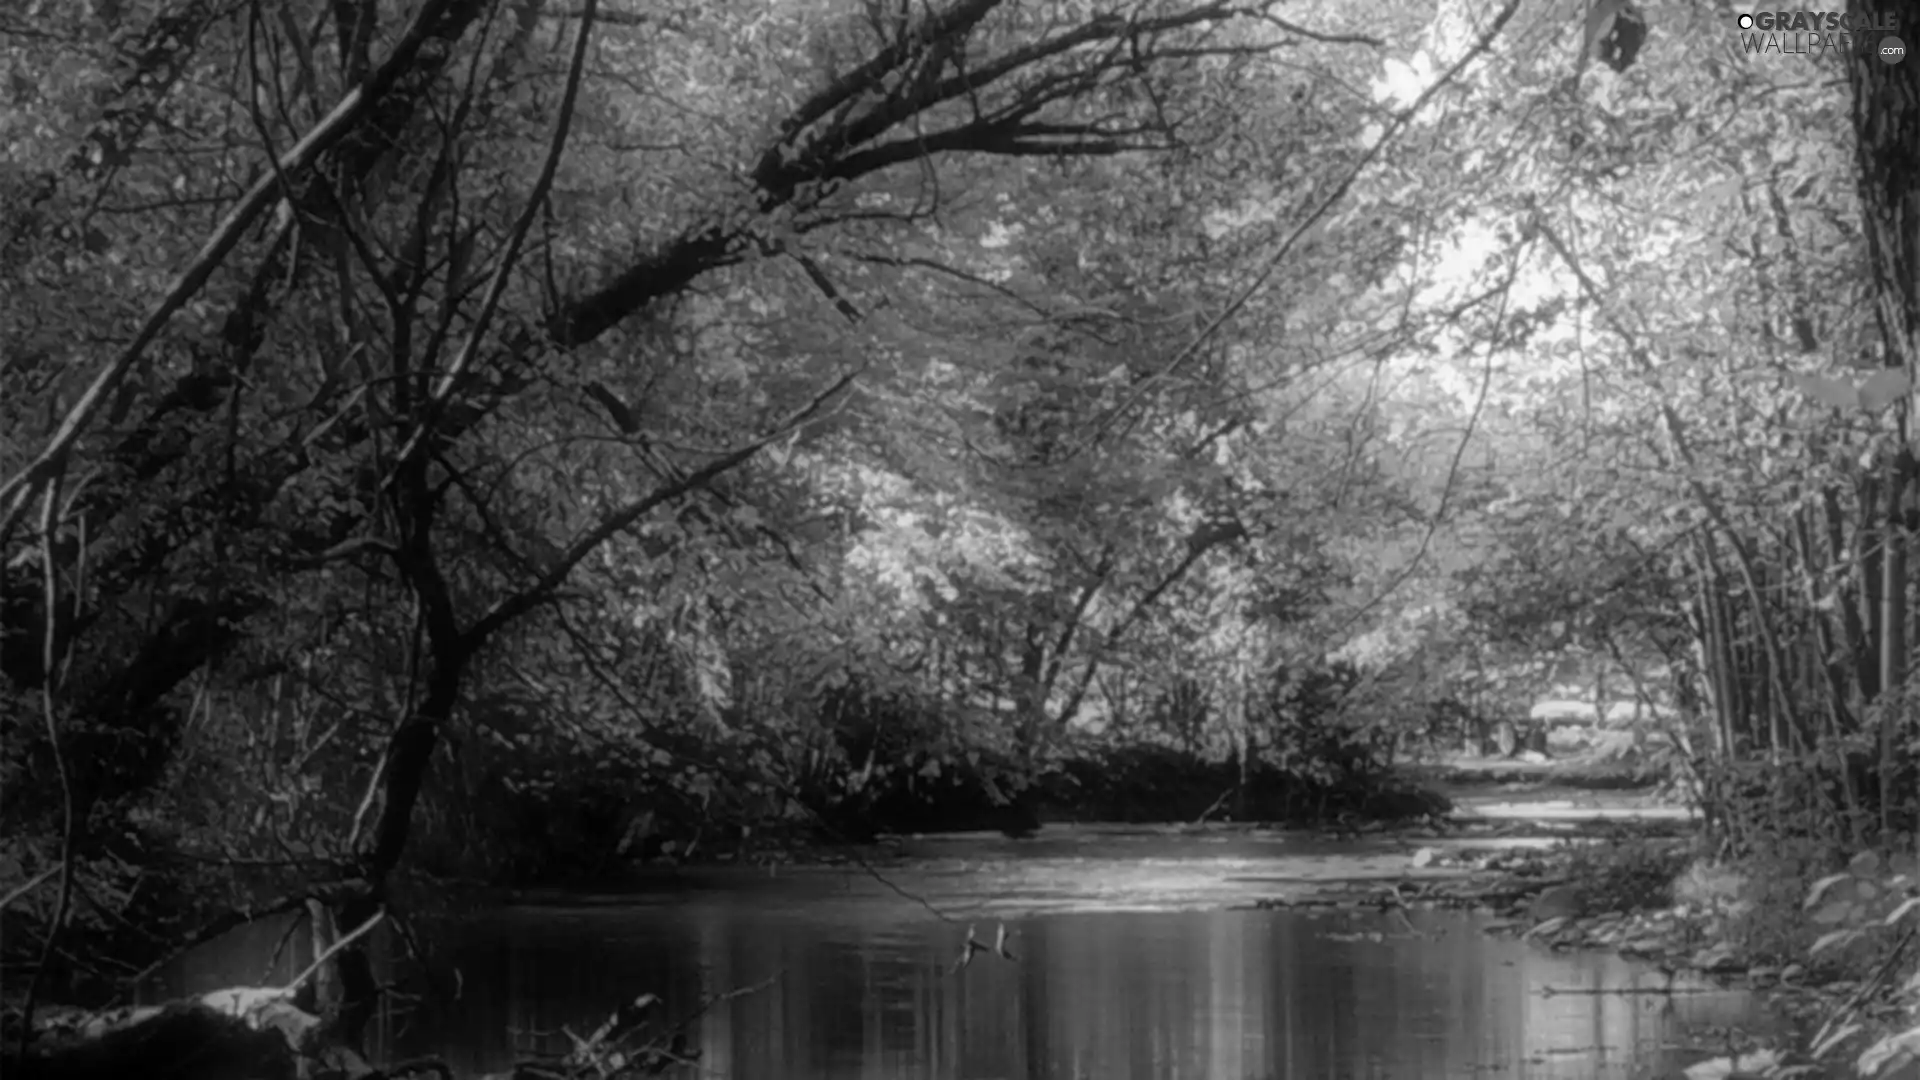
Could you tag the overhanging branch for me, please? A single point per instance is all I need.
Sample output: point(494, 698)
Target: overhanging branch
point(619, 519)
point(20, 489)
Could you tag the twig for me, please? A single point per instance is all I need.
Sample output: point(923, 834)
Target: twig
point(49, 685)
point(232, 919)
point(1208, 812)
point(510, 254)
point(17, 491)
point(1278, 259)
point(1400, 912)
point(31, 884)
point(321, 960)
point(280, 947)
point(1867, 988)
point(726, 996)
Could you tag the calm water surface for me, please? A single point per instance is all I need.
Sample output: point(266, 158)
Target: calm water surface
point(864, 981)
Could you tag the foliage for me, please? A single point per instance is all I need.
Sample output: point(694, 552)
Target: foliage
point(1872, 894)
point(1754, 805)
point(1158, 784)
point(1866, 914)
point(1624, 874)
point(638, 429)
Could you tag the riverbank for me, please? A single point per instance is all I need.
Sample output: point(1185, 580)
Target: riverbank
point(1822, 950)
point(1176, 864)
point(1456, 800)
point(1099, 935)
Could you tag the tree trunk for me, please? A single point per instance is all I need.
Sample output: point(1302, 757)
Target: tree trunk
point(409, 754)
point(1886, 123)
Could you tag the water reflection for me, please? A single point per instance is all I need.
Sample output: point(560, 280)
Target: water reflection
point(1219, 995)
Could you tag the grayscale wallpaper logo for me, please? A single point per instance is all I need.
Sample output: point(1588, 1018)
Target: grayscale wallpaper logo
point(1813, 33)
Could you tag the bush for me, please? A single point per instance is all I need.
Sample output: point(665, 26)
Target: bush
point(1628, 874)
point(1161, 784)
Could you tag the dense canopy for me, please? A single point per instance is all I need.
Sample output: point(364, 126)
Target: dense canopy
point(486, 438)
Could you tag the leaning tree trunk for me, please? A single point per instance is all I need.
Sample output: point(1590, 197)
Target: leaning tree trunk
point(1886, 120)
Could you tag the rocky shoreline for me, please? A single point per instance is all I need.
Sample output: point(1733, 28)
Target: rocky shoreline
point(1540, 895)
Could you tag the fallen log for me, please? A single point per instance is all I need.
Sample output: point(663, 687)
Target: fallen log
point(245, 1033)
point(242, 1034)
point(258, 1033)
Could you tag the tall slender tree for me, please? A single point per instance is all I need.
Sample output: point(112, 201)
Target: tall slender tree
point(1886, 123)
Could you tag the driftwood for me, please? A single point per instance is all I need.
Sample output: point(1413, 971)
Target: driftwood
point(606, 1052)
point(257, 1033)
point(240, 1034)
point(237, 1034)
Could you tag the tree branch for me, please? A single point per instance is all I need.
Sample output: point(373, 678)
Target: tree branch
point(19, 490)
point(612, 523)
point(510, 253)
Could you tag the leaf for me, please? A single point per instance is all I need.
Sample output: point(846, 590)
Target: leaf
point(1832, 940)
point(1894, 1049)
point(1865, 864)
point(1599, 20)
point(1834, 1038)
point(1723, 191)
point(1838, 911)
point(1820, 888)
point(1883, 388)
point(1825, 391)
point(1907, 905)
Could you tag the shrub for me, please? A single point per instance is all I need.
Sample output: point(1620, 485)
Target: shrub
point(1627, 874)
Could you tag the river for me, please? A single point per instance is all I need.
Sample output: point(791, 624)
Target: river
point(1131, 959)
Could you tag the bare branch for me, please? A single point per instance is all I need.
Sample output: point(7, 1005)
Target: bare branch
point(227, 921)
point(19, 490)
point(954, 22)
point(827, 288)
point(510, 254)
point(30, 884)
point(1277, 259)
point(1314, 35)
point(538, 593)
point(813, 150)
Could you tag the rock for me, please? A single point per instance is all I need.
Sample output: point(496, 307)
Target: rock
point(1645, 946)
point(1718, 960)
point(1558, 902)
point(1549, 927)
point(1708, 885)
point(1757, 1064)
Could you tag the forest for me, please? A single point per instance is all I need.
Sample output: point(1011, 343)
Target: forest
point(508, 441)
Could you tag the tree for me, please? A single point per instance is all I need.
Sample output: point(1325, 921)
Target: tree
point(417, 382)
point(1886, 124)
